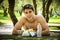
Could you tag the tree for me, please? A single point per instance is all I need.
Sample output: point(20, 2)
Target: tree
point(20, 10)
point(18, 6)
point(5, 9)
point(43, 2)
point(35, 6)
point(1, 1)
point(11, 11)
point(4, 6)
point(47, 9)
point(51, 14)
point(46, 5)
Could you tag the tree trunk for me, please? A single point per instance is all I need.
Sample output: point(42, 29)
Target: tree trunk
point(5, 13)
point(1, 1)
point(20, 11)
point(11, 11)
point(51, 12)
point(5, 9)
point(47, 9)
point(46, 5)
point(35, 6)
point(43, 8)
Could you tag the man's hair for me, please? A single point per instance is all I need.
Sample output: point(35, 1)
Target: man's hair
point(28, 6)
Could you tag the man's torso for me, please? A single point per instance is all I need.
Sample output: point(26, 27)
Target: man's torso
point(31, 25)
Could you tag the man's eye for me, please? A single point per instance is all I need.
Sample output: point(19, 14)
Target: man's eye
point(26, 13)
point(30, 11)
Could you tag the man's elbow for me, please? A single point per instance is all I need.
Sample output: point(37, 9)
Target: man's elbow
point(15, 31)
point(46, 33)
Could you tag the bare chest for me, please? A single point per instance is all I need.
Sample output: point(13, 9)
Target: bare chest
point(32, 25)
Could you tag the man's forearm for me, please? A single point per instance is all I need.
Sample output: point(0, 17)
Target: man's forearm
point(17, 32)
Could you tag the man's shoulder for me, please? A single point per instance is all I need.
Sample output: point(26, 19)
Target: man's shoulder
point(38, 16)
point(23, 18)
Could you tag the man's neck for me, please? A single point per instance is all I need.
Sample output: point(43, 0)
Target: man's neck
point(32, 19)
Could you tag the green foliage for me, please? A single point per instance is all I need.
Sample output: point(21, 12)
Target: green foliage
point(5, 3)
point(4, 20)
point(57, 2)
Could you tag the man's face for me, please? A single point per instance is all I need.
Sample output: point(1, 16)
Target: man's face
point(28, 13)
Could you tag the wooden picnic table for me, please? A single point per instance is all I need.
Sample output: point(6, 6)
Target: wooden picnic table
point(54, 34)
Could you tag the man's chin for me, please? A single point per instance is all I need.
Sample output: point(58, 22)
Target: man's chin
point(29, 17)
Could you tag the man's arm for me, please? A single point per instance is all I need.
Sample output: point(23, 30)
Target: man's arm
point(44, 25)
point(18, 26)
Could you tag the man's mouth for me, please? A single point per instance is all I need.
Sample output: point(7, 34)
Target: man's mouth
point(29, 16)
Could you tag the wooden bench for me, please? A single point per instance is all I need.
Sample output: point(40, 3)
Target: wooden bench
point(54, 25)
point(57, 31)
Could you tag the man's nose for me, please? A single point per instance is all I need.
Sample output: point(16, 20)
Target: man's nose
point(28, 13)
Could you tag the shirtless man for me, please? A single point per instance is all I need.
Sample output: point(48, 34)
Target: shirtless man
point(30, 21)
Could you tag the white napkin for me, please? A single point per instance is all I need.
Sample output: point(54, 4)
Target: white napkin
point(25, 33)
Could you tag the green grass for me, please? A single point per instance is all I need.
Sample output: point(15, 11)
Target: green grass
point(54, 19)
point(54, 28)
point(1, 11)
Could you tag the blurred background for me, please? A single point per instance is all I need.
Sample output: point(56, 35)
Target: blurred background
point(11, 10)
